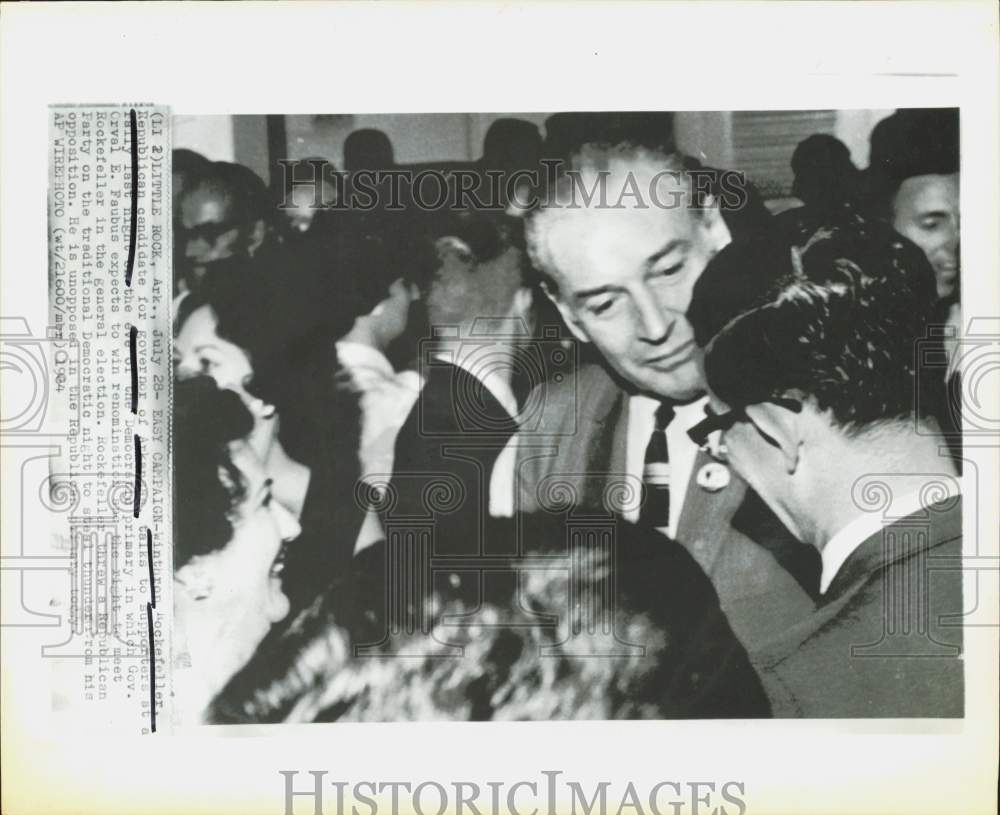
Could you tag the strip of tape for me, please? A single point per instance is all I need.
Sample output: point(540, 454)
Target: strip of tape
point(110, 296)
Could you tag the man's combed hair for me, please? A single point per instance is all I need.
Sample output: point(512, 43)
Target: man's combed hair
point(566, 196)
point(911, 142)
point(243, 191)
point(840, 327)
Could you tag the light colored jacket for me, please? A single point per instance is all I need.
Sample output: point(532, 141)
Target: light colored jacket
point(573, 450)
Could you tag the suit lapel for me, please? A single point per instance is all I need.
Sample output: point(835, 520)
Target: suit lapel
point(705, 517)
point(600, 442)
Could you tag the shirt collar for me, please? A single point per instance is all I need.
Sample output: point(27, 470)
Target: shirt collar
point(358, 355)
point(685, 416)
point(842, 545)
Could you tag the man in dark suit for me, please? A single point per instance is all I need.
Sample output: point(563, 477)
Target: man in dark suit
point(813, 392)
point(622, 243)
point(445, 459)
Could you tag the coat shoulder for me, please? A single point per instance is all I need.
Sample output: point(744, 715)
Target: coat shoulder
point(891, 647)
point(569, 401)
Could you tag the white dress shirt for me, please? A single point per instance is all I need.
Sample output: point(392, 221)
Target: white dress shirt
point(842, 545)
point(683, 451)
point(386, 398)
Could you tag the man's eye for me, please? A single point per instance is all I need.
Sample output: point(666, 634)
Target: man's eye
point(670, 271)
point(207, 365)
point(930, 223)
point(601, 306)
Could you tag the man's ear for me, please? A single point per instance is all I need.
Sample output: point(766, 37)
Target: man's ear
point(714, 224)
point(567, 314)
point(522, 306)
point(781, 427)
point(454, 249)
point(258, 232)
point(195, 580)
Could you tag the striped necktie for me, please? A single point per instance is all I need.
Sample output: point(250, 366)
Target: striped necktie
point(655, 509)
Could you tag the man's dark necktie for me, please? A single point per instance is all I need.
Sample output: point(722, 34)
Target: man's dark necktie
point(655, 509)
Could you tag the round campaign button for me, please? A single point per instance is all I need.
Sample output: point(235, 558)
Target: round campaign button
point(713, 477)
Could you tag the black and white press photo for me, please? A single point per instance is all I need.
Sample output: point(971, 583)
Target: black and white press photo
point(499, 408)
point(567, 415)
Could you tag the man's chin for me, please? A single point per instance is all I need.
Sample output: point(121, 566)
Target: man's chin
point(683, 395)
point(679, 388)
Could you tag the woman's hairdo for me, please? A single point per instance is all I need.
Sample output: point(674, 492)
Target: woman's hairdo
point(288, 334)
point(207, 485)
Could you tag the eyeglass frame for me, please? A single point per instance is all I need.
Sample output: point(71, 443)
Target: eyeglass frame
point(713, 421)
point(209, 231)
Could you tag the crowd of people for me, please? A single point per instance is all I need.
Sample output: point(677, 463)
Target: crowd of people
point(586, 457)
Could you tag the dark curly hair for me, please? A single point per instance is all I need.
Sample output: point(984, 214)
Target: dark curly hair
point(206, 419)
point(286, 332)
point(840, 326)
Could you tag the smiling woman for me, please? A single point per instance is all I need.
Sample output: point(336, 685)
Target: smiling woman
point(230, 539)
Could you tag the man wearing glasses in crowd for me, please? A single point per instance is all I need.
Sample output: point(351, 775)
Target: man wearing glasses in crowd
point(221, 220)
point(815, 394)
